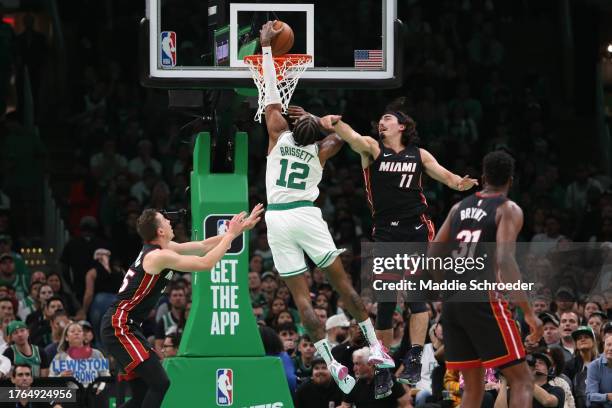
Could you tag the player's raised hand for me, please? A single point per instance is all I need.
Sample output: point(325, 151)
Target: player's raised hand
point(253, 218)
point(295, 112)
point(236, 225)
point(466, 183)
point(328, 122)
point(268, 32)
point(536, 329)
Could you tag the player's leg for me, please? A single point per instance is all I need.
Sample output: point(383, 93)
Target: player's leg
point(156, 380)
point(418, 323)
point(138, 389)
point(421, 230)
point(298, 286)
point(384, 322)
point(314, 237)
point(521, 384)
point(473, 387)
point(497, 340)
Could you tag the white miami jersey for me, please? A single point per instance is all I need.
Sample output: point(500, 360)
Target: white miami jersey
point(293, 173)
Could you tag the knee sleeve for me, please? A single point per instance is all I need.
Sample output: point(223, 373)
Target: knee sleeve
point(384, 317)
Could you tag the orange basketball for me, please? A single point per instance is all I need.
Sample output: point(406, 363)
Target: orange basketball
point(283, 42)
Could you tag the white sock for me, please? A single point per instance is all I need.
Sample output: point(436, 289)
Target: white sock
point(368, 331)
point(324, 349)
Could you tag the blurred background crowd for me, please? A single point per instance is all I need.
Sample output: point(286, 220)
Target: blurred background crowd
point(479, 75)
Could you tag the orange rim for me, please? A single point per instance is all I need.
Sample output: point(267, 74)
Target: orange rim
point(296, 58)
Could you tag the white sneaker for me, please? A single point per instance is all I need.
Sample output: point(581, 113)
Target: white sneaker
point(337, 370)
point(379, 357)
point(341, 376)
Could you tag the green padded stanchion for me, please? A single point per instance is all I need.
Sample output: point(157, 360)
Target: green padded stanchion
point(221, 360)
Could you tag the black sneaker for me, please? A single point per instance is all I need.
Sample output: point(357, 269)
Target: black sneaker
point(383, 383)
point(411, 374)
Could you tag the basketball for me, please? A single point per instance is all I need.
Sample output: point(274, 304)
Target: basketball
point(283, 42)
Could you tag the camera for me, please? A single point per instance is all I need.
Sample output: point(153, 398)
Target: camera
point(175, 216)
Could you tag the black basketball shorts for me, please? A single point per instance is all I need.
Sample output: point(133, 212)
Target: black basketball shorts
point(482, 334)
point(417, 229)
point(124, 341)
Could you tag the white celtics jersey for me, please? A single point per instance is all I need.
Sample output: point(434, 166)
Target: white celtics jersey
point(293, 173)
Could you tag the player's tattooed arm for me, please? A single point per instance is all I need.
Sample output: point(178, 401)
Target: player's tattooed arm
point(366, 146)
point(438, 172)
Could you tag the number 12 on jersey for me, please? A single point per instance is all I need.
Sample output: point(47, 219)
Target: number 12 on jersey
point(296, 178)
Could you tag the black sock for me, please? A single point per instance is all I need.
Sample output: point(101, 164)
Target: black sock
point(416, 351)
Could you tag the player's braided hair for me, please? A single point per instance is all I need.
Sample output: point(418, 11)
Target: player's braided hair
point(306, 131)
point(498, 167)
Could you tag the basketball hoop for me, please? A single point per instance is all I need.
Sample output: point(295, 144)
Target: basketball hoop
point(289, 69)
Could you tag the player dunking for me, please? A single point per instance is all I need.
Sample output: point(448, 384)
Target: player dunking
point(480, 335)
point(392, 168)
point(142, 287)
point(293, 172)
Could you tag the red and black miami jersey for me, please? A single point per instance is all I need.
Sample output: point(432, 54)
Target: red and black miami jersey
point(475, 216)
point(479, 332)
point(393, 184)
point(140, 291)
point(474, 229)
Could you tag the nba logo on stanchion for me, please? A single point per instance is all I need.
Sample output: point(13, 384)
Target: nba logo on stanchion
point(168, 49)
point(222, 226)
point(225, 387)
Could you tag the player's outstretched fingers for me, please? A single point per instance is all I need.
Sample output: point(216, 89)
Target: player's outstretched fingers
point(328, 121)
point(295, 112)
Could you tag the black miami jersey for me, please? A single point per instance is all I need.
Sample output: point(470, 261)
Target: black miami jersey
point(474, 230)
point(140, 291)
point(138, 295)
point(479, 333)
point(393, 185)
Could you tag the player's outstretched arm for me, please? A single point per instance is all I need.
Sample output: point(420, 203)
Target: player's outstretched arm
point(366, 146)
point(509, 225)
point(275, 122)
point(296, 112)
point(203, 247)
point(168, 259)
point(329, 147)
point(436, 171)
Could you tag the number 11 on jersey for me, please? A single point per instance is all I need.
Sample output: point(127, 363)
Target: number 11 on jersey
point(406, 180)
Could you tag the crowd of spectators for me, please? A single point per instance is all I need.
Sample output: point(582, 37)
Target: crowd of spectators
point(130, 154)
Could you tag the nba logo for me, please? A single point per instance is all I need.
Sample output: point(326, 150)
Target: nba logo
point(222, 226)
point(168, 49)
point(225, 387)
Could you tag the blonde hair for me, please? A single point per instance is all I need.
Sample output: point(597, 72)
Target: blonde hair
point(63, 343)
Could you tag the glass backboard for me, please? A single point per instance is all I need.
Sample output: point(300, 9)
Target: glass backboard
point(200, 43)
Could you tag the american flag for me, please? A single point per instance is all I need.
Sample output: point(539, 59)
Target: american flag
point(368, 59)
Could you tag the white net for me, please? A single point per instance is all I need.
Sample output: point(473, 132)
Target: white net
point(289, 69)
